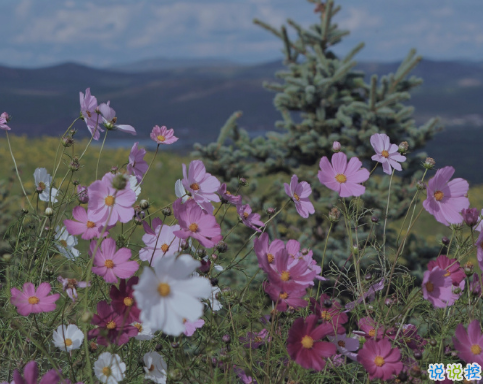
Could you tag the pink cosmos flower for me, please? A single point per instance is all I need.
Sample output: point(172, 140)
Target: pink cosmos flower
point(255, 339)
point(111, 326)
point(266, 251)
point(227, 197)
point(469, 343)
point(88, 106)
point(163, 135)
point(160, 240)
point(70, 285)
point(137, 166)
point(479, 250)
point(81, 225)
point(345, 345)
point(299, 193)
point(3, 121)
point(290, 295)
point(123, 301)
point(303, 343)
point(380, 360)
point(248, 218)
point(201, 185)
point(33, 301)
point(475, 285)
point(103, 199)
point(196, 223)
point(329, 311)
point(192, 326)
point(368, 328)
point(409, 336)
point(343, 177)
point(245, 379)
point(369, 295)
point(109, 118)
point(293, 249)
point(31, 375)
point(386, 153)
point(451, 266)
point(438, 288)
point(111, 264)
point(446, 199)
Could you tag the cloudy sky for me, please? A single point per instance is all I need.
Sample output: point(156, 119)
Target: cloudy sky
point(107, 32)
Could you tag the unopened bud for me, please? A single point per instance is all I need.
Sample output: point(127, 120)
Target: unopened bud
point(429, 163)
point(119, 182)
point(86, 317)
point(144, 204)
point(375, 219)
point(226, 339)
point(468, 268)
point(270, 211)
point(336, 146)
point(368, 277)
point(7, 257)
point(74, 164)
point(242, 181)
point(214, 281)
point(304, 251)
point(420, 185)
point(457, 290)
point(49, 212)
point(221, 247)
point(418, 355)
point(214, 257)
point(445, 240)
point(82, 195)
point(76, 182)
point(403, 147)
point(174, 345)
point(67, 141)
point(25, 211)
point(114, 170)
point(166, 211)
point(334, 214)
point(433, 342)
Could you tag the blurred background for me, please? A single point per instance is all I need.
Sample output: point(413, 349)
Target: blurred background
point(190, 64)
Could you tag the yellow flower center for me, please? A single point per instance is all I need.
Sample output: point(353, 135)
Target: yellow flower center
point(307, 342)
point(429, 286)
point(195, 187)
point(285, 276)
point(68, 342)
point(447, 274)
point(296, 197)
point(164, 289)
point(325, 315)
point(63, 243)
point(245, 215)
point(41, 185)
point(228, 193)
point(270, 257)
point(340, 178)
point(258, 339)
point(341, 343)
point(475, 349)
point(128, 302)
point(33, 300)
point(161, 138)
point(90, 224)
point(109, 200)
point(193, 227)
point(106, 371)
point(379, 361)
point(139, 327)
point(283, 295)
point(109, 263)
point(372, 332)
point(165, 247)
point(438, 195)
point(111, 325)
point(385, 154)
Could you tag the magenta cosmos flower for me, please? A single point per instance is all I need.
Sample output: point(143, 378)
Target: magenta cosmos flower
point(3, 121)
point(82, 226)
point(70, 285)
point(254, 340)
point(227, 197)
point(386, 153)
point(286, 296)
point(266, 251)
point(88, 106)
point(31, 375)
point(160, 240)
point(369, 328)
point(469, 343)
point(329, 311)
point(304, 345)
point(33, 301)
point(196, 223)
point(111, 264)
point(299, 193)
point(163, 135)
point(137, 166)
point(380, 360)
point(109, 119)
point(293, 249)
point(250, 219)
point(343, 177)
point(446, 199)
point(451, 266)
point(438, 288)
point(202, 186)
point(122, 299)
point(104, 198)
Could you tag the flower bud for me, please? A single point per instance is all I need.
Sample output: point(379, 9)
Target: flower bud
point(226, 339)
point(270, 211)
point(119, 182)
point(214, 257)
point(166, 211)
point(468, 268)
point(158, 347)
point(174, 345)
point(144, 204)
point(368, 277)
point(67, 141)
point(433, 343)
point(403, 147)
point(336, 146)
point(429, 163)
point(175, 374)
point(86, 317)
point(82, 195)
point(25, 211)
point(418, 355)
point(304, 251)
point(205, 266)
point(76, 182)
point(74, 164)
point(243, 182)
point(420, 185)
point(201, 252)
point(457, 290)
point(7, 257)
point(334, 214)
point(445, 240)
point(470, 216)
point(221, 247)
point(375, 219)
point(49, 212)
point(114, 170)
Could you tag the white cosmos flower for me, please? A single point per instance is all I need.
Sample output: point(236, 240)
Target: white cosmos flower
point(346, 345)
point(170, 294)
point(181, 192)
point(43, 182)
point(133, 183)
point(144, 332)
point(215, 304)
point(155, 367)
point(68, 338)
point(109, 369)
point(66, 243)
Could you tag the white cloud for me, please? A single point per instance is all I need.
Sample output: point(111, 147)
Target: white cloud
point(359, 19)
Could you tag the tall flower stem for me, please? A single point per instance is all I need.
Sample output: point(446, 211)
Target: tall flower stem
point(149, 166)
point(99, 158)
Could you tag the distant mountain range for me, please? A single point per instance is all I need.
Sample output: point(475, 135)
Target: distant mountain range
point(196, 98)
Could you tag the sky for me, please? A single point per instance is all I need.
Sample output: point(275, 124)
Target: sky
point(102, 33)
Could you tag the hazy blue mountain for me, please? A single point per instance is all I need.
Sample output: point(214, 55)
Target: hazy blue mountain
point(164, 63)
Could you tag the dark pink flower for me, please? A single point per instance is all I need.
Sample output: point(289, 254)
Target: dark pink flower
point(248, 218)
point(475, 285)
point(469, 343)
point(88, 106)
point(111, 327)
point(123, 301)
point(369, 328)
point(245, 379)
point(329, 311)
point(202, 186)
point(3, 121)
point(31, 375)
point(451, 266)
point(266, 252)
point(288, 295)
point(110, 120)
point(479, 250)
point(293, 249)
point(380, 360)
point(104, 198)
point(33, 301)
point(163, 135)
point(446, 199)
point(343, 177)
point(438, 288)
point(304, 345)
point(227, 197)
point(70, 285)
point(196, 223)
point(470, 216)
point(368, 296)
point(386, 153)
point(111, 264)
point(81, 225)
point(255, 339)
point(299, 193)
point(137, 166)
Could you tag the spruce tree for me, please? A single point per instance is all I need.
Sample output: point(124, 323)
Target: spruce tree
point(322, 99)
